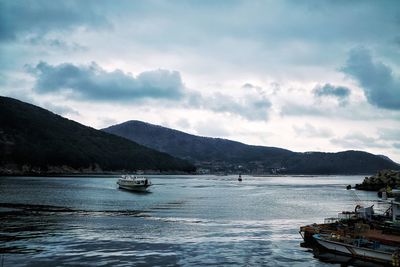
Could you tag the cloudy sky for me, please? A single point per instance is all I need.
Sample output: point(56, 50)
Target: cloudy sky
point(302, 75)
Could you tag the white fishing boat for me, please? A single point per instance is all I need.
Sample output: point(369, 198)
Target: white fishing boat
point(358, 248)
point(134, 183)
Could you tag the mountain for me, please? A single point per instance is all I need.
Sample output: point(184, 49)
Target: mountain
point(226, 156)
point(191, 147)
point(34, 140)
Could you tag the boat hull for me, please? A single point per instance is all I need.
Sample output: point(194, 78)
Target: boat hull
point(354, 251)
point(133, 186)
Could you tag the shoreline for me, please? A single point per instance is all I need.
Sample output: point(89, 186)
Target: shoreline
point(100, 175)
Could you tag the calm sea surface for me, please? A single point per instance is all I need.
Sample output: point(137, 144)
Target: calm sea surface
point(184, 221)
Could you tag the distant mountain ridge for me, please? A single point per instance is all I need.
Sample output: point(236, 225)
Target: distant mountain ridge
point(191, 147)
point(226, 156)
point(36, 141)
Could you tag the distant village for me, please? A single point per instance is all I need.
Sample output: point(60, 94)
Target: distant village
point(226, 168)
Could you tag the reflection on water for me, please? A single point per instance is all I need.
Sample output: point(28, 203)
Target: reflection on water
point(186, 220)
point(346, 260)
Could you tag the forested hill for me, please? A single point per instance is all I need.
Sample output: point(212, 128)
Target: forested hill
point(226, 156)
point(34, 140)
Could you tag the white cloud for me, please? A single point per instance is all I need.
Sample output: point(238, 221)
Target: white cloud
point(307, 130)
point(249, 67)
point(212, 128)
point(359, 140)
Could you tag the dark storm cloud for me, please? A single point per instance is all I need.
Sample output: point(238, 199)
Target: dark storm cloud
point(38, 17)
point(340, 92)
point(91, 82)
point(381, 86)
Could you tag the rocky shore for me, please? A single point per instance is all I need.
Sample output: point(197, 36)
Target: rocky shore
point(382, 179)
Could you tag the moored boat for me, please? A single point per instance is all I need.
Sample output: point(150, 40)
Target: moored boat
point(358, 248)
point(134, 183)
point(359, 234)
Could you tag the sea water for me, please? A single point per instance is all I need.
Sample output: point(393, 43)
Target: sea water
point(182, 221)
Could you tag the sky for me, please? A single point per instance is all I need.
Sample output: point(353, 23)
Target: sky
point(301, 75)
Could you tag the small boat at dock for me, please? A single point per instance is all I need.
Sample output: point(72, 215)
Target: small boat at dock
point(358, 248)
point(359, 234)
point(134, 183)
